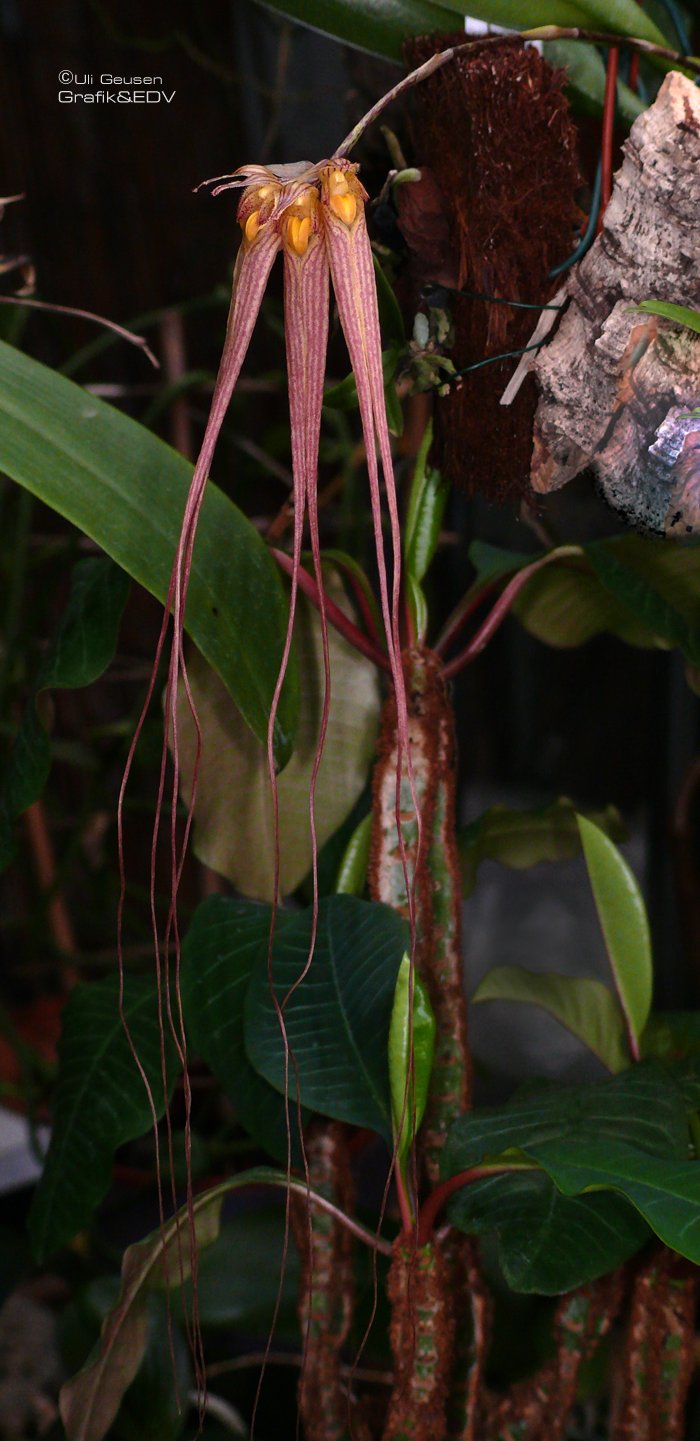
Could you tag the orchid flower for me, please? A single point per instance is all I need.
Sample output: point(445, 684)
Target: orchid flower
point(314, 214)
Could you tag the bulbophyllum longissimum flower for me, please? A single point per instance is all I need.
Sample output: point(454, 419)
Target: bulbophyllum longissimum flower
point(314, 214)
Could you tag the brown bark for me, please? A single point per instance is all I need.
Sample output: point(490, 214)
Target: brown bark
point(494, 129)
point(326, 1290)
point(422, 1331)
point(658, 1352)
point(616, 388)
point(435, 874)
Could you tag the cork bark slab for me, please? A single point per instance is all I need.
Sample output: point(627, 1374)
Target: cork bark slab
point(616, 387)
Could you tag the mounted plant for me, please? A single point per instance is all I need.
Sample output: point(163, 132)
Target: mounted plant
point(336, 1024)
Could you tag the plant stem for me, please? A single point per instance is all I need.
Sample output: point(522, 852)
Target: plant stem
point(500, 610)
point(336, 617)
point(542, 32)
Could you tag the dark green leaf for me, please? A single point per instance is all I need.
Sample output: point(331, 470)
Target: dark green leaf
point(343, 396)
point(547, 1243)
point(585, 1006)
point(126, 489)
point(672, 1035)
point(352, 872)
point(623, 919)
point(100, 1102)
point(520, 839)
point(641, 1105)
point(81, 650)
point(380, 26)
point(337, 1019)
point(617, 17)
point(90, 1401)
point(222, 946)
point(426, 508)
point(543, 1246)
point(643, 601)
point(665, 1192)
point(237, 1284)
point(390, 317)
point(491, 562)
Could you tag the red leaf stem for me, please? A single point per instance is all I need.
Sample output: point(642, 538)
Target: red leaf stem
point(335, 615)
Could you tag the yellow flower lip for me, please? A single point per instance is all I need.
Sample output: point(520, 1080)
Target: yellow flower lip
point(343, 192)
point(298, 233)
point(344, 206)
point(252, 225)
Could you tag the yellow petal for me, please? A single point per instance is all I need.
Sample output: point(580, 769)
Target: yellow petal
point(252, 225)
point(344, 206)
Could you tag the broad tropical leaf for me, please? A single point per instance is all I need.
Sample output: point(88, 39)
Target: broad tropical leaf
point(234, 829)
point(100, 1102)
point(586, 1007)
point(81, 650)
point(542, 1244)
point(225, 942)
point(520, 839)
point(126, 489)
point(337, 1021)
point(90, 1401)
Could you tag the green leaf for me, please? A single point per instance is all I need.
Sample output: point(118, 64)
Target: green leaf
point(586, 79)
point(523, 14)
point(585, 1006)
point(624, 924)
point(616, 17)
point(81, 650)
point(152, 1405)
point(418, 607)
point(424, 516)
point(681, 314)
point(126, 489)
point(411, 1050)
point(542, 1245)
point(234, 826)
point(352, 873)
point(90, 1401)
point(343, 396)
point(643, 602)
point(491, 562)
point(639, 588)
point(219, 953)
point(666, 1193)
point(380, 26)
point(548, 1244)
point(520, 839)
point(672, 1035)
point(100, 1102)
point(337, 1019)
point(394, 411)
point(390, 317)
point(237, 1284)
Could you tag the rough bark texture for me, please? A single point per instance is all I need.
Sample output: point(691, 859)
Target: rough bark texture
point(538, 1409)
point(472, 1337)
point(658, 1354)
point(437, 882)
point(422, 1331)
point(495, 130)
point(326, 1291)
point(616, 388)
